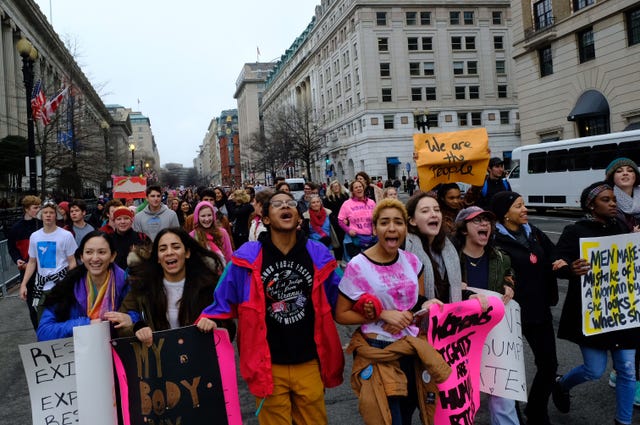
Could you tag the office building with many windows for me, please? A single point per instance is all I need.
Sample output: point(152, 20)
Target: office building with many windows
point(369, 69)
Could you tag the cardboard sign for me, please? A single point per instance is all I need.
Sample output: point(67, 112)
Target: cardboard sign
point(71, 380)
point(460, 156)
point(502, 371)
point(51, 377)
point(129, 187)
point(458, 331)
point(186, 377)
point(611, 289)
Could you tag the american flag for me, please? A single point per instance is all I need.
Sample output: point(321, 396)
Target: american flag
point(37, 100)
point(50, 107)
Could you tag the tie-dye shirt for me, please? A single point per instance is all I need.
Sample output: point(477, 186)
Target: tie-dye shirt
point(395, 284)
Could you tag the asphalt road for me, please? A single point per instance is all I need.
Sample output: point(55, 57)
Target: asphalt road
point(592, 403)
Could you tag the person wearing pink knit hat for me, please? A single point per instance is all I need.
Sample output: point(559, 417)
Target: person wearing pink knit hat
point(207, 232)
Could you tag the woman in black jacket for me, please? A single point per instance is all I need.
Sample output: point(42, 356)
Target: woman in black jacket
point(531, 253)
point(599, 202)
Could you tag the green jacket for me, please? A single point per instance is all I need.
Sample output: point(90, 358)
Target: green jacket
point(499, 270)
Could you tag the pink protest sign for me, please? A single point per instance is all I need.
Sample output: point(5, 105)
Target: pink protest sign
point(458, 331)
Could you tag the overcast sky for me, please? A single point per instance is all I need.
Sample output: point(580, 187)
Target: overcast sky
point(180, 59)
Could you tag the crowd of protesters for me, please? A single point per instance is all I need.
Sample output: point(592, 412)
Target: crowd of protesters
point(282, 271)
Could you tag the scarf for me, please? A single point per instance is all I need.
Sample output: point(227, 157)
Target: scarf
point(628, 204)
point(317, 219)
point(102, 299)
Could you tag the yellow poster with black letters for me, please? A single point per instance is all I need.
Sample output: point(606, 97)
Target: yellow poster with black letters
point(459, 156)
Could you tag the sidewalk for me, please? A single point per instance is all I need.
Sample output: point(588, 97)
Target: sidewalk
point(15, 329)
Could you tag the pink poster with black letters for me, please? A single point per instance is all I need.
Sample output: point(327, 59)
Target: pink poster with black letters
point(458, 332)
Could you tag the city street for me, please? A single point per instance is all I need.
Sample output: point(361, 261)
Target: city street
point(592, 403)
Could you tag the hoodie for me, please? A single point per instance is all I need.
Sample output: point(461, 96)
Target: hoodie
point(150, 223)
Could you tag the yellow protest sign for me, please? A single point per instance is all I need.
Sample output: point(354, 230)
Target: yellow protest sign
point(460, 156)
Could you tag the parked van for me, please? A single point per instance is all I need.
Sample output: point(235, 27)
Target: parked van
point(296, 185)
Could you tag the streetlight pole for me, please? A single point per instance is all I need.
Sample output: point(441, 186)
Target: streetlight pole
point(29, 55)
point(105, 130)
point(132, 148)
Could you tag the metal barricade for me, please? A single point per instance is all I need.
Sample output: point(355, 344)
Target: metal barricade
point(8, 269)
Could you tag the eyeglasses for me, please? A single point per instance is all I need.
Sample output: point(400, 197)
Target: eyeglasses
point(280, 204)
point(481, 219)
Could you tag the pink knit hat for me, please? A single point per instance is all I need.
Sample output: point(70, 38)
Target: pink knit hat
point(203, 204)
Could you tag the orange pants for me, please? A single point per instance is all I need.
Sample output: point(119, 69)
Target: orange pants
point(298, 396)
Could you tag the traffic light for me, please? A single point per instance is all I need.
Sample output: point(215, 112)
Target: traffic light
point(327, 161)
point(131, 168)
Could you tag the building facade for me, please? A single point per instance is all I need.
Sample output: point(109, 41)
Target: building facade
point(248, 94)
point(367, 69)
point(228, 145)
point(577, 67)
point(74, 147)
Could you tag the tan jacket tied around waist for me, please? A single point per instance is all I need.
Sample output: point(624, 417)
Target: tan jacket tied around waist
point(387, 379)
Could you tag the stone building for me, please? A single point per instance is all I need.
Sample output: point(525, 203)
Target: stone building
point(577, 66)
point(369, 69)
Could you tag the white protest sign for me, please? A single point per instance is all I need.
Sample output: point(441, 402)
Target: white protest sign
point(611, 289)
point(94, 375)
point(502, 371)
point(50, 370)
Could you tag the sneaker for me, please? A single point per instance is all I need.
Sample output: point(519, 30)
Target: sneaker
point(612, 379)
point(560, 396)
point(636, 399)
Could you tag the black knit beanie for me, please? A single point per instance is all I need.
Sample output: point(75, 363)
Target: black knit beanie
point(501, 202)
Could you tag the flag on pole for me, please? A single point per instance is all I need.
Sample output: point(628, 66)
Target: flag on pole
point(51, 106)
point(257, 54)
point(37, 100)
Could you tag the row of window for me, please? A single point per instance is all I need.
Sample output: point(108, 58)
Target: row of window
point(466, 17)
point(461, 92)
point(465, 119)
point(428, 68)
point(585, 41)
point(426, 43)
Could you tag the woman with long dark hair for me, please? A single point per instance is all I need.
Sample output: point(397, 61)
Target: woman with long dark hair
point(90, 293)
point(172, 287)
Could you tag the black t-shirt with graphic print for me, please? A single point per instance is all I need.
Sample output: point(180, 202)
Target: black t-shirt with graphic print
point(288, 280)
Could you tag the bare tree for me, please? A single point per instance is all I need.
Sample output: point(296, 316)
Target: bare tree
point(299, 131)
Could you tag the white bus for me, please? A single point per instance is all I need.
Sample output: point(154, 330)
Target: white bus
point(553, 175)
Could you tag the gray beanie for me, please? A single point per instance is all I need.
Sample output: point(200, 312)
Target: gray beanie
point(617, 163)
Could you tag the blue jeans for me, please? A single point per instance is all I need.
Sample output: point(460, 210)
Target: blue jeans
point(502, 411)
point(595, 364)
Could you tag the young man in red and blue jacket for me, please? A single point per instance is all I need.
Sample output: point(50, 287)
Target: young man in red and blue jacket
point(283, 290)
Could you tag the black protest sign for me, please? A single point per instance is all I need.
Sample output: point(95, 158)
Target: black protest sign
point(177, 380)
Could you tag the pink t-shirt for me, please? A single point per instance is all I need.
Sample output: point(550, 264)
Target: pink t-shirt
point(359, 215)
point(394, 284)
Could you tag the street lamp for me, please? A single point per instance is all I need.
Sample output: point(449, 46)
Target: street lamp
point(421, 118)
point(29, 55)
point(132, 148)
point(105, 131)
